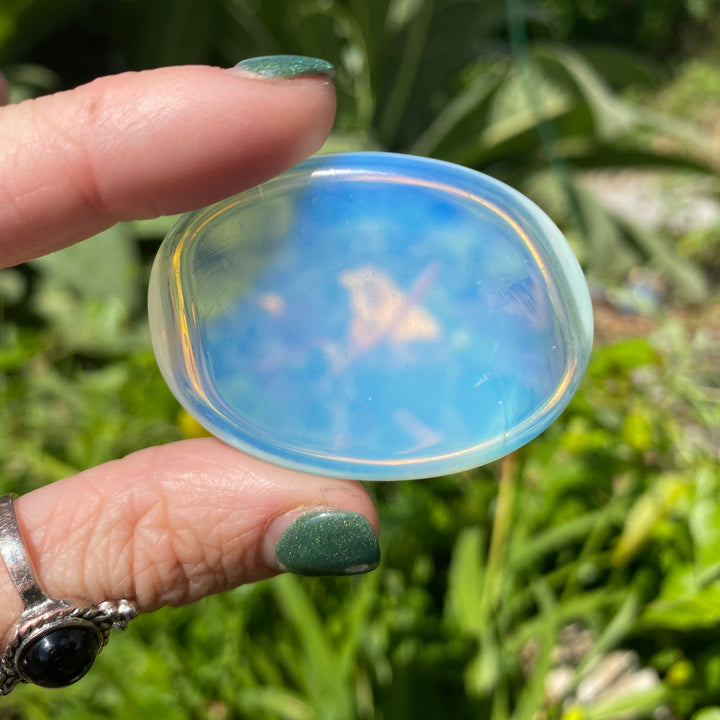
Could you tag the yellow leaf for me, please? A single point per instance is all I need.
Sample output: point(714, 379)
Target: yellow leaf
point(190, 427)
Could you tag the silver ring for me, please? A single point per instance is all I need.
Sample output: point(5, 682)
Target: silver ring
point(54, 642)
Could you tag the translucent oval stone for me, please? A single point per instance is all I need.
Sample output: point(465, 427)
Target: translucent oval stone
point(372, 316)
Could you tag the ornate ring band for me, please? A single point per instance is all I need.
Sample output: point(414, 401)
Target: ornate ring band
point(54, 642)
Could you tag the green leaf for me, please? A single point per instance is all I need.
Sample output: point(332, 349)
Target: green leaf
point(532, 693)
point(648, 511)
point(687, 278)
point(682, 605)
point(708, 713)
point(419, 22)
point(612, 118)
point(628, 706)
point(704, 521)
point(105, 267)
point(89, 292)
point(623, 356)
point(12, 287)
point(467, 610)
point(468, 100)
point(466, 577)
point(324, 676)
point(275, 700)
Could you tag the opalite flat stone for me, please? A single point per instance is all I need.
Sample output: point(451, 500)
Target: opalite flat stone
point(372, 316)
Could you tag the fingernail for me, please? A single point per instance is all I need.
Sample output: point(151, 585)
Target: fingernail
point(323, 542)
point(285, 66)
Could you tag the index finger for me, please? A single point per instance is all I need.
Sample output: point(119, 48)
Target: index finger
point(146, 144)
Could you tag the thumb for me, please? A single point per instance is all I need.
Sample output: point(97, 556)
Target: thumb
point(171, 524)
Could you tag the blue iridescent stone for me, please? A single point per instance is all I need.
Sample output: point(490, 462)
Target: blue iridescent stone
point(372, 316)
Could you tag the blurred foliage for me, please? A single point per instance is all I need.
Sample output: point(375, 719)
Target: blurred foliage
point(482, 84)
point(610, 521)
point(653, 26)
point(693, 94)
point(508, 592)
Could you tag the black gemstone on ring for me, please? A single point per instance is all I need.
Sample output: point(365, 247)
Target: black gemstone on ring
point(59, 656)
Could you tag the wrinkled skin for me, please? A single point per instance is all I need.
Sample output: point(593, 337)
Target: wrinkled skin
point(171, 524)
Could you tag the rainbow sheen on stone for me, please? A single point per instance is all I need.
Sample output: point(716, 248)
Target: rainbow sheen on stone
point(372, 316)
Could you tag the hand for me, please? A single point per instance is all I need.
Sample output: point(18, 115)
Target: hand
point(170, 524)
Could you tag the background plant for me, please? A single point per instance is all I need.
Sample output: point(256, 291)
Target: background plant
point(479, 83)
point(605, 529)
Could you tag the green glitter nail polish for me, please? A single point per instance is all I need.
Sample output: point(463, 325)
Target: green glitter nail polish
point(287, 66)
point(329, 542)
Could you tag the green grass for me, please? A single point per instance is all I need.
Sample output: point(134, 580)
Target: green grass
point(609, 520)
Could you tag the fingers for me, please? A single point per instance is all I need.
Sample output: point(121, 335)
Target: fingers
point(140, 145)
point(172, 524)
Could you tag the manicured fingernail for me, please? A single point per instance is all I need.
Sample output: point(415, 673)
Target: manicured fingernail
point(286, 66)
point(324, 542)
